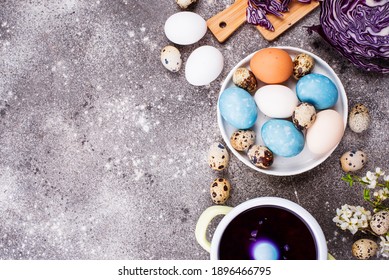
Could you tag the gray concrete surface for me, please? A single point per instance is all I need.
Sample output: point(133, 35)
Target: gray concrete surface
point(103, 151)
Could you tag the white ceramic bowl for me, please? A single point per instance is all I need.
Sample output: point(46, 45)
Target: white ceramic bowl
point(231, 213)
point(304, 161)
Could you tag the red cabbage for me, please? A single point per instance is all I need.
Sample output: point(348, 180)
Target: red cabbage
point(257, 10)
point(257, 15)
point(359, 30)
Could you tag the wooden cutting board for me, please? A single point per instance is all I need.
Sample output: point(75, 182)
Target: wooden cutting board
point(223, 24)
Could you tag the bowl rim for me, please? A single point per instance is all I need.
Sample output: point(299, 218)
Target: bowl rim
point(296, 209)
point(342, 95)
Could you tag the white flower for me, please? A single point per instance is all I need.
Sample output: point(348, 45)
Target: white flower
point(386, 178)
point(353, 228)
point(379, 172)
point(381, 194)
point(384, 246)
point(372, 184)
point(352, 218)
point(371, 176)
point(371, 179)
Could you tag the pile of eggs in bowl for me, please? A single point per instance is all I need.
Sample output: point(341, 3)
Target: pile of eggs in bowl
point(300, 116)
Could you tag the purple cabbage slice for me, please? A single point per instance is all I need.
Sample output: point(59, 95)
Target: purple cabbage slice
point(270, 6)
point(359, 30)
point(285, 5)
point(257, 15)
point(257, 10)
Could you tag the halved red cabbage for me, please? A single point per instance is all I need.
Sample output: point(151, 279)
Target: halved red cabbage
point(359, 30)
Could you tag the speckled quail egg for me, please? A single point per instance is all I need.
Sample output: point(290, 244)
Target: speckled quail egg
point(304, 115)
point(184, 4)
point(260, 156)
point(220, 190)
point(302, 65)
point(364, 249)
point(353, 161)
point(218, 157)
point(359, 118)
point(379, 223)
point(241, 139)
point(171, 58)
point(245, 79)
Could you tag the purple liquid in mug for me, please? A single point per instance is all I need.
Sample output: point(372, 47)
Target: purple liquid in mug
point(267, 232)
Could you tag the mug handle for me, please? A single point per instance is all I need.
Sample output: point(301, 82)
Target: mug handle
point(204, 220)
point(330, 257)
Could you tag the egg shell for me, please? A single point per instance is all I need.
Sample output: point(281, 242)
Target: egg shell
point(241, 139)
point(364, 249)
point(325, 133)
point(318, 90)
point(359, 118)
point(185, 28)
point(204, 65)
point(245, 79)
point(218, 157)
point(276, 101)
point(302, 65)
point(271, 65)
point(379, 223)
point(220, 190)
point(352, 161)
point(171, 58)
point(282, 137)
point(260, 156)
point(304, 115)
point(238, 108)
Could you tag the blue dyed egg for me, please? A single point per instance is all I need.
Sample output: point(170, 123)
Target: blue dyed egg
point(238, 108)
point(317, 90)
point(282, 137)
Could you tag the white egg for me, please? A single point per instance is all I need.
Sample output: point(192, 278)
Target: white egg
point(204, 65)
point(326, 132)
point(185, 28)
point(276, 101)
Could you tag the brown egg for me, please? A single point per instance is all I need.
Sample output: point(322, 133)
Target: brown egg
point(272, 65)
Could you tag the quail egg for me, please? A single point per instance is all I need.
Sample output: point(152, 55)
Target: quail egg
point(218, 157)
point(304, 116)
point(184, 4)
point(241, 139)
point(171, 58)
point(245, 79)
point(220, 190)
point(379, 223)
point(353, 161)
point(302, 65)
point(260, 156)
point(359, 118)
point(364, 249)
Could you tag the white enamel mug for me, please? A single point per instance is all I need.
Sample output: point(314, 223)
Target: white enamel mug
point(231, 213)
